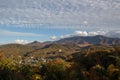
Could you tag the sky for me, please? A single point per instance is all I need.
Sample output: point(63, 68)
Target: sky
point(24, 21)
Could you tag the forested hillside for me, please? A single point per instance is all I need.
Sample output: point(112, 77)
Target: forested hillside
point(90, 63)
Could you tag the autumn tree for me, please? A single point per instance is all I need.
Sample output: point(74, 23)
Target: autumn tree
point(55, 70)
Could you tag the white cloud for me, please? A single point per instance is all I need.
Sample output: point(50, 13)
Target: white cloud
point(83, 33)
point(18, 41)
point(53, 38)
point(12, 33)
point(113, 34)
point(76, 33)
point(93, 33)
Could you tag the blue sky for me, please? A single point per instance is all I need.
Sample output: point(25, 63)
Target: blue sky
point(23, 21)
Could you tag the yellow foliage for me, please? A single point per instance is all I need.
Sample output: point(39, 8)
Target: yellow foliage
point(111, 68)
point(59, 62)
point(36, 77)
point(98, 67)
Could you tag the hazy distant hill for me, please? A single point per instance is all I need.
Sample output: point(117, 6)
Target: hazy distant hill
point(36, 44)
point(94, 40)
point(15, 49)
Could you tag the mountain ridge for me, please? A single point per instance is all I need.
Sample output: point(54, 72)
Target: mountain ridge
point(98, 39)
point(64, 46)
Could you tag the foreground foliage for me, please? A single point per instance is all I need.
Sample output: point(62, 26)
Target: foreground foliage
point(85, 65)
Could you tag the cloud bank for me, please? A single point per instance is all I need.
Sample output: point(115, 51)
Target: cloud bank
point(113, 34)
point(83, 33)
point(18, 41)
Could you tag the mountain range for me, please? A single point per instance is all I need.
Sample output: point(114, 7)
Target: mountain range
point(65, 46)
point(80, 40)
point(93, 40)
